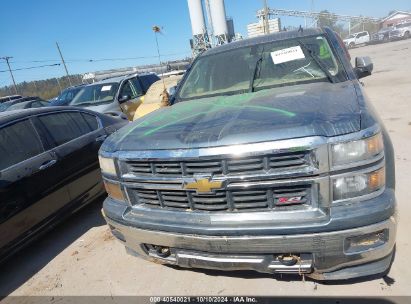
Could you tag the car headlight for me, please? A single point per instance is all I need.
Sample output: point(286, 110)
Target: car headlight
point(350, 186)
point(107, 165)
point(355, 151)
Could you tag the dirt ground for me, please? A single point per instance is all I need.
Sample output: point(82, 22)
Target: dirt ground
point(80, 257)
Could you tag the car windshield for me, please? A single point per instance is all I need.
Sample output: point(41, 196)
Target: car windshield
point(95, 94)
point(262, 66)
point(351, 36)
point(5, 105)
point(68, 95)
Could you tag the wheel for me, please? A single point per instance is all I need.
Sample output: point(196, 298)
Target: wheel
point(407, 35)
point(351, 45)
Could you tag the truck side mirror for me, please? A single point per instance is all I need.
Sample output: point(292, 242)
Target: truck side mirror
point(363, 66)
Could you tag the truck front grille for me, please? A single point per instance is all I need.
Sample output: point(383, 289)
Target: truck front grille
point(224, 166)
point(223, 200)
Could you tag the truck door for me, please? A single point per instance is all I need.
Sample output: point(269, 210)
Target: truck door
point(361, 38)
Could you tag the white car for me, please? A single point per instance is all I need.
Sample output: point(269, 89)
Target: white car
point(357, 39)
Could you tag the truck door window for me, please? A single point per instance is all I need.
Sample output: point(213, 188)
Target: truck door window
point(18, 142)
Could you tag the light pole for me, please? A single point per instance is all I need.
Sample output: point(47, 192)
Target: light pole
point(6, 58)
point(165, 95)
point(156, 30)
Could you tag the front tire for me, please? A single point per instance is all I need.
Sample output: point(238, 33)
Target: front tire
point(351, 45)
point(407, 35)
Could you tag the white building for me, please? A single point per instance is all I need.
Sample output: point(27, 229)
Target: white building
point(257, 29)
point(396, 18)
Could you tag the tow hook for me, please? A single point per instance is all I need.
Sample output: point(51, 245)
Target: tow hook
point(162, 252)
point(288, 260)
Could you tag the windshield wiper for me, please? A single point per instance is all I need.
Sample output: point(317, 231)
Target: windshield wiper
point(330, 77)
point(253, 76)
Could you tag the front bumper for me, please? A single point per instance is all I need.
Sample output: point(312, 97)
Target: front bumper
point(322, 256)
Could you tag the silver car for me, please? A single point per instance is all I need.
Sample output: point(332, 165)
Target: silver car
point(401, 31)
point(115, 95)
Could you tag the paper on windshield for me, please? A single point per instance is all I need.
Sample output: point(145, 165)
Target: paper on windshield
point(106, 88)
point(288, 54)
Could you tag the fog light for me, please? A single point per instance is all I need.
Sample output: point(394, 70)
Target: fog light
point(114, 191)
point(365, 242)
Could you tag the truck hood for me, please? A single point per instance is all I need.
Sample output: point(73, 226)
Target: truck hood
point(323, 109)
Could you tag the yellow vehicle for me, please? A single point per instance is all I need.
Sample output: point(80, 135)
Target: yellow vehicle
point(152, 100)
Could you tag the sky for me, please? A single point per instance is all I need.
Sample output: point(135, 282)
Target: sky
point(102, 29)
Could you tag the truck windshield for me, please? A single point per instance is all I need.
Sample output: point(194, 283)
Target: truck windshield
point(262, 66)
point(95, 94)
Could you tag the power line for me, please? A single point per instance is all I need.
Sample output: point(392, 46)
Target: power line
point(33, 67)
point(99, 59)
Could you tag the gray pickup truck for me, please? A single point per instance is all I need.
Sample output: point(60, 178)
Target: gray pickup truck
point(271, 159)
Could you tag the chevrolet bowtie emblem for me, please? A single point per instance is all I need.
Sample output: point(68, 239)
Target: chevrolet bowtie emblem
point(203, 185)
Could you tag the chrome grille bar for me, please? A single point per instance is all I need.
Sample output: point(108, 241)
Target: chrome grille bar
point(225, 166)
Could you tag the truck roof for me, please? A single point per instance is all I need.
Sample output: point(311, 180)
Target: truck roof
point(264, 39)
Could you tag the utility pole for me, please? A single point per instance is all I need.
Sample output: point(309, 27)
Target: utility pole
point(35, 86)
point(64, 63)
point(6, 58)
point(156, 30)
point(58, 82)
point(266, 23)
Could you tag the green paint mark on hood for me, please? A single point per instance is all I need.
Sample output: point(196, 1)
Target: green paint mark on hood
point(190, 109)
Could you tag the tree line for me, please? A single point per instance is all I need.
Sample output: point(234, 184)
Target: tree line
point(45, 89)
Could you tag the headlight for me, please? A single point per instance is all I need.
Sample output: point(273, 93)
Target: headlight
point(354, 151)
point(107, 165)
point(350, 186)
